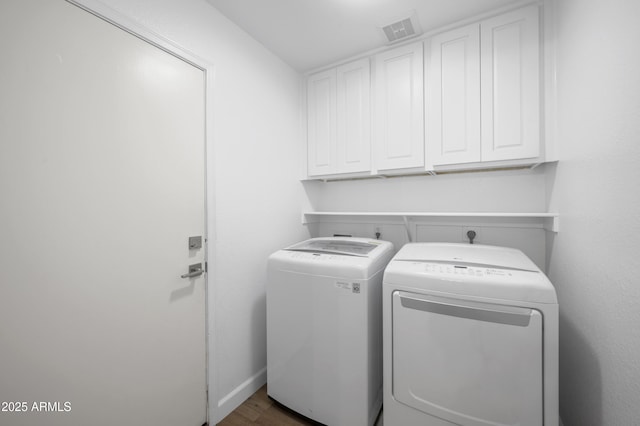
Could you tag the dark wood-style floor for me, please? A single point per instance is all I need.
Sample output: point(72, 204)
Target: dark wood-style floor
point(259, 409)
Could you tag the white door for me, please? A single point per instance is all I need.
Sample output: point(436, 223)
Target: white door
point(453, 118)
point(399, 118)
point(511, 85)
point(101, 184)
point(321, 123)
point(353, 117)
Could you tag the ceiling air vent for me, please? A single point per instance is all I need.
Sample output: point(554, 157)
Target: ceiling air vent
point(402, 28)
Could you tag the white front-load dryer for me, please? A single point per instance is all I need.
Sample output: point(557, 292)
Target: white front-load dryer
point(324, 328)
point(470, 338)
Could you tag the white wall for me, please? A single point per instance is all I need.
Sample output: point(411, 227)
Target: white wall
point(497, 191)
point(509, 191)
point(595, 259)
point(254, 169)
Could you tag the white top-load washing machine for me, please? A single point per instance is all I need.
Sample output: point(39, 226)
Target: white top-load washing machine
point(324, 328)
point(470, 338)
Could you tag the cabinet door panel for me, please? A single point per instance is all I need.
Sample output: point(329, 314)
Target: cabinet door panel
point(399, 108)
point(354, 117)
point(510, 83)
point(453, 118)
point(321, 123)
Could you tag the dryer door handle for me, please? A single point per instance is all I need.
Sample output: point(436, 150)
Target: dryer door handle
point(511, 316)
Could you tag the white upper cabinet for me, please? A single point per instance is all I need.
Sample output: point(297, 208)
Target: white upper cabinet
point(399, 111)
point(321, 123)
point(354, 117)
point(511, 85)
point(339, 120)
point(453, 112)
point(484, 91)
point(481, 108)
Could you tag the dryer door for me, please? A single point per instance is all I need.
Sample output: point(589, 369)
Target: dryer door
point(472, 364)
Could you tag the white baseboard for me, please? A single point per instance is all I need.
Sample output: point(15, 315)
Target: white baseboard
point(233, 399)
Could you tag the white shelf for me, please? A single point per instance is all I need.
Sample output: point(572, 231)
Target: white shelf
point(550, 221)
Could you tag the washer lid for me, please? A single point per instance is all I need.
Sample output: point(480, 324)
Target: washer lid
point(467, 255)
point(348, 247)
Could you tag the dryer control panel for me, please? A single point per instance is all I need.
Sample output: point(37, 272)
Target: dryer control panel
point(472, 279)
point(474, 271)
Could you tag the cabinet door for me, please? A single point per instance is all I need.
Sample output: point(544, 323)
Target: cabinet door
point(321, 123)
point(510, 86)
point(353, 117)
point(399, 118)
point(453, 116)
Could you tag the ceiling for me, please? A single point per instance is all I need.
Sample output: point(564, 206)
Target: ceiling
point(311, 33)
